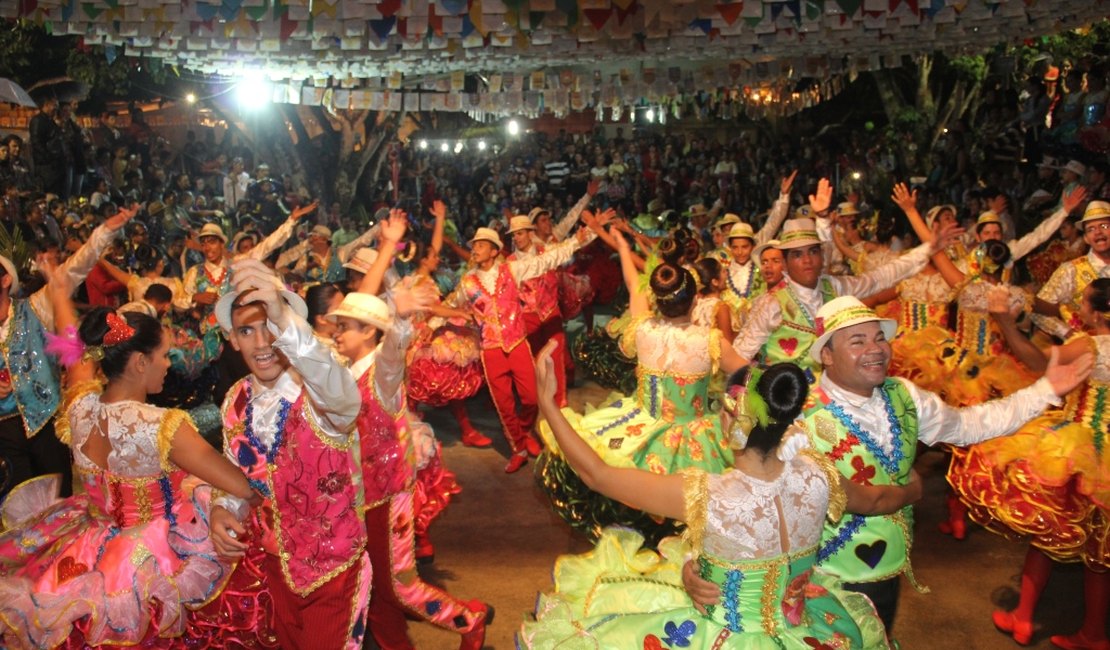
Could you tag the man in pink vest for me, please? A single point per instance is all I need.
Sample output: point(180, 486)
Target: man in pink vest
point(491, 290)
point(542, 319)
point(289, 426)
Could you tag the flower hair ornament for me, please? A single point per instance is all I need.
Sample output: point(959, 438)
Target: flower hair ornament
point(747, 408)
point(70, 350)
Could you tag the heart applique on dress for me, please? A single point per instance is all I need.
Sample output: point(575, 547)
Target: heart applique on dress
point(789, 345)
point(69, 568)
point(871, 554)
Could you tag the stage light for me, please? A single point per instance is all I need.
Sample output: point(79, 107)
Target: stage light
point(253, 93)
point(856, 176)
point(513, 127)
point(191, 98)
point(650, 115)
point(423, 144)
point(458, 146)
point(481, 145)
point(444, 147)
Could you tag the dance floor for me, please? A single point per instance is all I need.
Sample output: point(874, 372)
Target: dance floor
point(498, 539)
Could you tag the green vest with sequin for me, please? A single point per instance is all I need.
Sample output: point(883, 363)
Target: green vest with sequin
point(791, 341)
point(866, 548)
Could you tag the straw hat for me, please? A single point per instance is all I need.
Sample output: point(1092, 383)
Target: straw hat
point(240, 236)
point(803, 212)
point(212, 230)
point(1095, 210)
point(934, 211)
point(321, 230)
point(1076, 167)
point(362, 260)
point(741, 230)
point(773, 243)
point(696, 210)
point(842, 312)
point(519, 222)
point(487, 234)
point(987, 217)
point(798, 233)
point(364, 308)
point(535, 213)
point(727, 220)
point(847, 209)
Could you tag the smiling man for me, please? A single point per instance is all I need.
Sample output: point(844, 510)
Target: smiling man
point(1059, 299)
point(869, 425)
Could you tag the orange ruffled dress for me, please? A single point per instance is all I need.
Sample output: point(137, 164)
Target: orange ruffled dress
point(1049, 483)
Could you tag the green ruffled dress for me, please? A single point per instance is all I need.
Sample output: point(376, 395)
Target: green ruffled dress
point(664, 427)
point(622, 596)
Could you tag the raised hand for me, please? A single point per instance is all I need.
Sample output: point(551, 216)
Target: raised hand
point(413, 299)
point(946, 236)
point(997, 204)
point(1064, 377)
point(904, 198)
point(788, 182)
point(254, 277)
point(117, 220)
point(545, 373)
point(605, 217)
point(438, 210)
point(593, 187)
point(305, 210)
point(1075, 198)
point(393, 228)
point(821, 201)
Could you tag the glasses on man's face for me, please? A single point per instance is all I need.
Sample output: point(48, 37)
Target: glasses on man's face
point(1098, 227)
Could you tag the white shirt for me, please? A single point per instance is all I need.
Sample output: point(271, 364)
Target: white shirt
point(523, 269)
point(1059, 290)
point(389, 373)
point(937, 421)
point(766, 315)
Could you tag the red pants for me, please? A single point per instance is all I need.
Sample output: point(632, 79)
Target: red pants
point(504, 370)
point(538, 336)
point(330, 618)
point(397, 587)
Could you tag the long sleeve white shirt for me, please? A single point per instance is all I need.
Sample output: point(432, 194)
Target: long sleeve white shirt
point(389, 373)
point(937, 421)
point(77, 267)
point(766, 315)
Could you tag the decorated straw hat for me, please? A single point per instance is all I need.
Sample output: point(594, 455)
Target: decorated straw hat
point(212, 230)
point(226, 304)
point(798, 233)
point(364, 308)
point(843, 312)
point(9, 268)
point(487, 234)
point(520, 222)
point(803, 212)
point(987, 217)
point(535, 213)
point(727, 221)
point(362, 260)
point(696, 210)
point(321, 230)
point(847, 209)
point(741, 230)
point(240, 236)
point(1096, 210)
point(935, 211)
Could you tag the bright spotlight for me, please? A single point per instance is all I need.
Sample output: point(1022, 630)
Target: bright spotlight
point(191, 98)
point(856, 176)
point(253, 93)
point(444, 147)
point(423, 144)
point(650, 115)
point(514, 127)
point(481, 145)
point(458, 146)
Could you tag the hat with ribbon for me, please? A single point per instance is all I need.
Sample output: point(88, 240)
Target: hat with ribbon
point(487, 234)
point(212, 230)
point(520, 222)
point(843, 312)
point(741, 231)
point(798, 233)
point(1096, 210)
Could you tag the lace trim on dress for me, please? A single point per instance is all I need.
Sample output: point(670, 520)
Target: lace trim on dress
point(628, 336)
point(73, 393)
point(695, 496)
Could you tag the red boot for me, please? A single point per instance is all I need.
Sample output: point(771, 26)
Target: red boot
point(471, 437)
point(956, 526)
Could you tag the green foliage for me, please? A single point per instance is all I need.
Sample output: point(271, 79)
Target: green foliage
point(969, 68)
point(15, 248)
point(19, 42)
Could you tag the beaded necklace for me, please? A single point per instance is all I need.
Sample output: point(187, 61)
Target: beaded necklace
point(747, 290)
point(889, 461)
point(279, 438)
point(801, 306)
point(215, 283)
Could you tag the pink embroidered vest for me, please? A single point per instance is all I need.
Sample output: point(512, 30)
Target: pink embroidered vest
point(383, 439)
point(540, 295)
point(499, 315)
point(312, 512)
